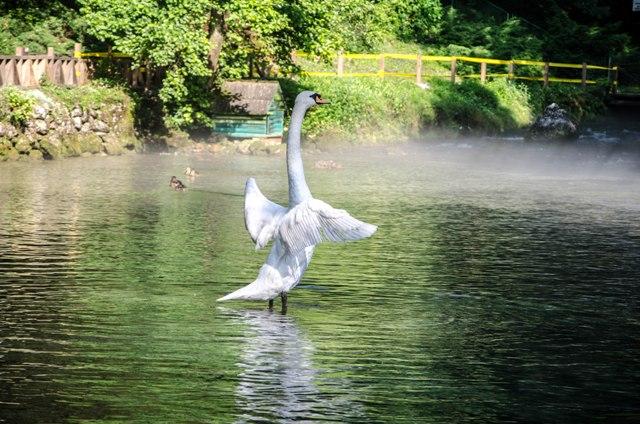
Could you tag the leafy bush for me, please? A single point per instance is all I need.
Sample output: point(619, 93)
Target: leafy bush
point(580, 102)
point(15, 106)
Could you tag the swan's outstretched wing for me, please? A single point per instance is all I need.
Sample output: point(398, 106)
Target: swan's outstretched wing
point(314, 221)
point(261, 216)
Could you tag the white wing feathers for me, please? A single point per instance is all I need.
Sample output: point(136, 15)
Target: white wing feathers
point(261, 216)
point(314, 221)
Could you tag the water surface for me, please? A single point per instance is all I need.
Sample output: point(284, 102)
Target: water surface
point(501, 286)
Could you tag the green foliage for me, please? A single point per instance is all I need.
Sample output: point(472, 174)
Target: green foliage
point(364, 25)
point(37, 25)
point(417, 20)
point(167, 36)
point(579, 102)
point(15, 106)
point(368, 109)
point(471, 33)
point(173, 37)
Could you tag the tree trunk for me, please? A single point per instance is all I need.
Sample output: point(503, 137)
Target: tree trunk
point(216, 38)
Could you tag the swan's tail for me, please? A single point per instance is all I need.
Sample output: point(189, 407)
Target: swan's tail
point(267, 286)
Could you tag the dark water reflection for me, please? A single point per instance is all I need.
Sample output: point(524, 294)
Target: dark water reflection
point(502, 286)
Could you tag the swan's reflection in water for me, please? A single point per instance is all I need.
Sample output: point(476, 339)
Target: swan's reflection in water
point(278, 381)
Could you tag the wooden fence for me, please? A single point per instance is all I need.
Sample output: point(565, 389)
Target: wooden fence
point(27, 70)
point(140, 76)
point(419, 60)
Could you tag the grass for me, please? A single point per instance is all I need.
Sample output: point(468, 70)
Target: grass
point(93, 95)
point(372, 109)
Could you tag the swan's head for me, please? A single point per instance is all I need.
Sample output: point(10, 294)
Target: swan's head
point(310, 99)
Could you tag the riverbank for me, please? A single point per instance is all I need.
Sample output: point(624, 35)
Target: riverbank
point(378, 110)
point(56, 122)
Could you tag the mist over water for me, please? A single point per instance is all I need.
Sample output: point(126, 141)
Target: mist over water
point(501, 286)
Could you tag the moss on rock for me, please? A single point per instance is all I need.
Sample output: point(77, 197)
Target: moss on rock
point(51, 147)
point(22, 144)
point(112, 146)
point(36, 155)
point(89, 143)
point(10, 154)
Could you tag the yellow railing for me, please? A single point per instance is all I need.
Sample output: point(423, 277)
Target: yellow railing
point(419, 59)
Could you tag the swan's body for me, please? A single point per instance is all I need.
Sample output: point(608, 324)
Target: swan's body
point(294, 230)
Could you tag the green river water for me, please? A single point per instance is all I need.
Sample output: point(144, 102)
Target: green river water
point(501, 286)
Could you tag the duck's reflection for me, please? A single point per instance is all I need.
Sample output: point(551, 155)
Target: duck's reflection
point(278, 377)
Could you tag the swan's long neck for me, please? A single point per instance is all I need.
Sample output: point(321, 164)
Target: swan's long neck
point(298, 189)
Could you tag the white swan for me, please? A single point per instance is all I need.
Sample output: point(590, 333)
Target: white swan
point(295, 230)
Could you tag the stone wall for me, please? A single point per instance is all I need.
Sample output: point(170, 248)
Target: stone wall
point(55, 131)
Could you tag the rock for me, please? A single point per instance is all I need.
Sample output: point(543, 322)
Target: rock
point(112, 147)
point(8, 130)
point(554, 123)
point(36, 155)
point(9, 154)
point(51, 147)
point(5, 142)
point(76, 112)
point(243, 148)
point(274, 150)
point(71, 146)
point(178, 140)
point(89, 143)
point(77, 122)
point(86, 127)
point(327, 164)
point(22, 144)
point(40, 126)
point(99, 126)
point(40, 112)
point(95, 113)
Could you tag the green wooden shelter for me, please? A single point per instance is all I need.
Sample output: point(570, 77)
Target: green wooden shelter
point(248, 109)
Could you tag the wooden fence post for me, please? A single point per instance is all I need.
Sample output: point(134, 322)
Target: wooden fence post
point(419, 69)
point(545, 75)
point(79, 65)
point(19, 77)
point(483, 72)
point(584, 74)
point(454, 67)
point(49, 69)
point(340, 64)
point(381, 65)
point(510, 67)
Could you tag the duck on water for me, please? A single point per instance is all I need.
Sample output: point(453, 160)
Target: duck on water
point(296, 229)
